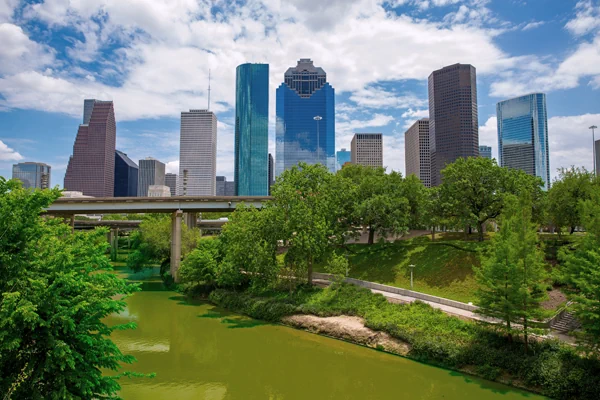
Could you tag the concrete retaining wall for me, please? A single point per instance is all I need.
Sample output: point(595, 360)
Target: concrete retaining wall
point(400, 291)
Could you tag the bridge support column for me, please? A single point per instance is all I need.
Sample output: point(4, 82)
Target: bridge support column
point(175, 243)
point(114, 243)
point(190, 220)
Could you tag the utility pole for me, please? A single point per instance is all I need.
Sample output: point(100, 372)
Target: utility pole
point(593, 128)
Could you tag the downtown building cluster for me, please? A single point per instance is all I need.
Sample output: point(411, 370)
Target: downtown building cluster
point(305, 132)
point(452, 129)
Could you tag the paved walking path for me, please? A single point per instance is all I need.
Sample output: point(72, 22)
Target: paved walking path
point(459, 312)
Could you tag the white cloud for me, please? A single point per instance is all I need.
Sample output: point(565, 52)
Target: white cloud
point(587, 18)
point(375, 97)
point(8, 154)
point(411, 116)
point(533, 25)
point(7, 7)
point(18, 52)
point(354, 125)
point(488, 136)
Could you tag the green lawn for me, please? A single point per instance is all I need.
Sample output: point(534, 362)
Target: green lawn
point(442, 268)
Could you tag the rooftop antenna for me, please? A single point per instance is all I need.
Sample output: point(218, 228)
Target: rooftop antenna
point(209, 89)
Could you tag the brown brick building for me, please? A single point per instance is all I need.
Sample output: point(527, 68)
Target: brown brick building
point(91, 168)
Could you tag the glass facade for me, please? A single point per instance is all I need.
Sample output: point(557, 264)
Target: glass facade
point(485, 152)
point(523, 135)
point(33, 175)
point(343, 156)
point(126, 176)
point(251, 169)
point(304, 95)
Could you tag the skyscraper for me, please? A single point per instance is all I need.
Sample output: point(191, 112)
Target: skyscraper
point(453, 125)
point(171, 182)
point(91, 168)
point(485, 151)
point(197, 153)
point(367, 149)
point(523, 135)
point(342, 157)
point(126, 176)
point(33, 175)
point(416, 151)
point(223, 187)
point(151, 172)
point(251, 170)
point(271, 172)
point(305, 125)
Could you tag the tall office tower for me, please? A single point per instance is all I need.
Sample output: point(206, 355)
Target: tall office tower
point(224, 188)
point(91, 168)
point(523, 135)
point(33, 175)
point(271, 172)
point(342, 157)
point(367, 149)
point(126, 176)
point(151, 172)
point(305, 125)
point(159, 191)
point(197, 153)
point(416, 151)
point(171, 182)
point(485, 152)
point(453, 125)
point(251, 169)
point(597, 157)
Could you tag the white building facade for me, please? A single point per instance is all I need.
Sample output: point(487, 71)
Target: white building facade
point(197, 154)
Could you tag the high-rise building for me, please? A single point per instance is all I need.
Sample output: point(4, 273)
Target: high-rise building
point(271, 172)
point(453, 124)
point(33, 175)
point(126, 176)
point(342, 157)
point(197, 153)
point(91, 168)
point(171, 182)
point(416, 151)
point(251, 169)
point(523, 135)
point(151, 172)
point(159, 191)
point(305, 125)
point(223, 187)
point(367, 149)
point(485, 152)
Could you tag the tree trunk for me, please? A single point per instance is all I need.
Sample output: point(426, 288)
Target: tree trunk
point(480, 231)
point(525, 334)
point(371, 234)
point(572, 230)
point(433, 233)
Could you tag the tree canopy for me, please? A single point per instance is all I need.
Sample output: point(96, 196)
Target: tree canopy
point(56, 288)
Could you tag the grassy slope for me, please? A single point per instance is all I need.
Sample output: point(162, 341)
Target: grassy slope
point(443, 268)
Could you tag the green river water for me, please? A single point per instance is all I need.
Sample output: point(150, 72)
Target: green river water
point(199, 351)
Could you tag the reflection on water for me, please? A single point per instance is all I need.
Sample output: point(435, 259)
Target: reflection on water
point(201, 352)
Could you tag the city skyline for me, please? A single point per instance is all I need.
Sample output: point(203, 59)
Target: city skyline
point(515, 51)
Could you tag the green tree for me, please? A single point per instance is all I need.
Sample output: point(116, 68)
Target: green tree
point(201, 265)
point(582, 272)
point(512, 277)
point(473, 190)
point(572, 186)
point(250, 242)
point(380, 202)
point(56, 288)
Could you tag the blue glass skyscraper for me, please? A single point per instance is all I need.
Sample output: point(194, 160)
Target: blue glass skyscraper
point(251, 170)
point(304, 95)
point(523, 135)
point(343, 156)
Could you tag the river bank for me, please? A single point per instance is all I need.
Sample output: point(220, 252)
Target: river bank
point(418, 332)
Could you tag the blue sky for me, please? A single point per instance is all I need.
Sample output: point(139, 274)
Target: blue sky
point(152, 57)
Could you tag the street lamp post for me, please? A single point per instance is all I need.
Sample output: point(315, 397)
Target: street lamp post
point(318, 118)
point(593, 128)
point(412, 267)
